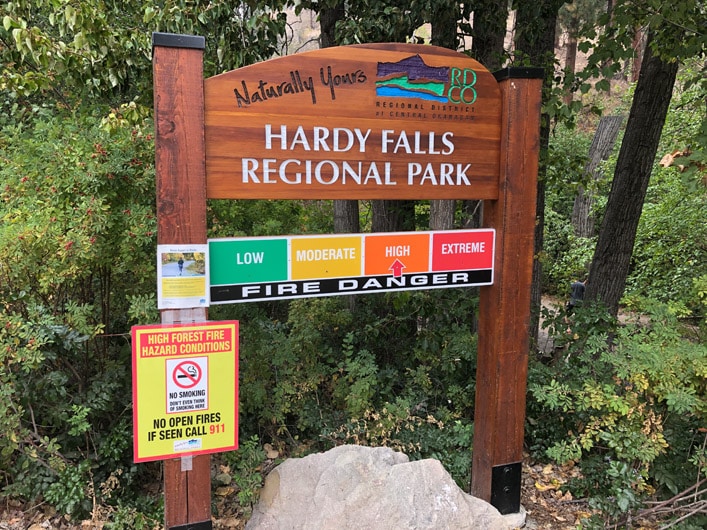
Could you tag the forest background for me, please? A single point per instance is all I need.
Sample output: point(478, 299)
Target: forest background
point(621, 399)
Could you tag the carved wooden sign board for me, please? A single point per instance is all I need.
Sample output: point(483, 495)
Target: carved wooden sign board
point(374, 121)
point(377, 121)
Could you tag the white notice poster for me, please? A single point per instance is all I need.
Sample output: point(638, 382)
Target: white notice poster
point(182, 276)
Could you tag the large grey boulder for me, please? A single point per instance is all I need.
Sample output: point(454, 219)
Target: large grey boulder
point(367, 488)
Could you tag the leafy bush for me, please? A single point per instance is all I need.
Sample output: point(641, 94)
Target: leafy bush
point(243, 468)
point(318, 371)
point(670, 250)
point(565, 257)
point(669, 253)
point(621, 401)
point(77, 239)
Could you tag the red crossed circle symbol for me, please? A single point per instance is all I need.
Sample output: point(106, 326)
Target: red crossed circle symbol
point(186, 374)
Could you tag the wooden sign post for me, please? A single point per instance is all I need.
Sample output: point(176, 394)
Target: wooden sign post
point(504, 308)
point(375, 121)
point(181, 219)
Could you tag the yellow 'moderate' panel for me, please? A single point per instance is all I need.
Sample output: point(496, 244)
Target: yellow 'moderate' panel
point(378, 121)
point(326, 257)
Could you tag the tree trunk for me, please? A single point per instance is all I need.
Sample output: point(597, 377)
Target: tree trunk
point(472, 214)
point(393, 216)
point(602, 145)
point(536, 286)
point(444, 34)
point(442, 214)
point(328, 17)
point(488, 36)
point(346, 215)
point(489, 33)
point(610, 11)
point(570, 61)
point(637, 45)
point(444, 26)
point(538, 46)
point(612, 257)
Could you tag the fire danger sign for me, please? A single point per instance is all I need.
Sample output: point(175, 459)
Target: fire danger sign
point(187, 384)
point(185, 389)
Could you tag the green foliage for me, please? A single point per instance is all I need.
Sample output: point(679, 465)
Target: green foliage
point(244, 468)
point(78, 246)
point(77, 237)
point(670, 253)
point(228, 218)
point(397, 370)
point(565, 257)
point(626, 402)
point(143, 308)
point(575, 15)
point(72, 49)
point(621, 489)
point(567, 157)
point(141, 514)
point(676, 27)
point(359, 377)
point(700, 290)
point(236, 35)
point(615, 400)
point(685, 131)
point(68, 492)
point(676, 34)
point(283, 364)
point(102, 50)
point(381, 21)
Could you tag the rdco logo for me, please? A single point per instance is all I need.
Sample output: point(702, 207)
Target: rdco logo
point(461, 86)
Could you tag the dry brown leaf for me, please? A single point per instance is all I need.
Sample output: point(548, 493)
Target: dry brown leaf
point(223, 491)
point(271, 452)
point(230, 522)
point(667, 160)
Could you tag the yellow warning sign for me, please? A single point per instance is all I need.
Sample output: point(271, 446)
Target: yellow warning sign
point(185, 389)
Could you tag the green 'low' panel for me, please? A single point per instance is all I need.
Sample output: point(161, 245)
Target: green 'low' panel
point(247, 261)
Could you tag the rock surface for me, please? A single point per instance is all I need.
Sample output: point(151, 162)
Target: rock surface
point(355, 487)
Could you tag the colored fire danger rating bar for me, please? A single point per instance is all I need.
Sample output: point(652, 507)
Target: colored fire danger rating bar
point(254, 269)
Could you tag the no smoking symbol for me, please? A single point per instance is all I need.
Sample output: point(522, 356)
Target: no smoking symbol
point(186, 374)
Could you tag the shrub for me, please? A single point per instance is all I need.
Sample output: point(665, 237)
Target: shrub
point(615, 401)
point(77, 236)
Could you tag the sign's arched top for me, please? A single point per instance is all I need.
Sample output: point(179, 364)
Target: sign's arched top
point(372, 121)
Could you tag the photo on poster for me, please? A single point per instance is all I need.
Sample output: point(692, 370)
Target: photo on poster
point(182, 276)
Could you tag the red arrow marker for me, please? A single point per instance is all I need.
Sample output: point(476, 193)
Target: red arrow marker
point(397, 268)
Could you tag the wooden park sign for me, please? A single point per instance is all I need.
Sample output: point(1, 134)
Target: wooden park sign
point(355, 122)
point(376, 121)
